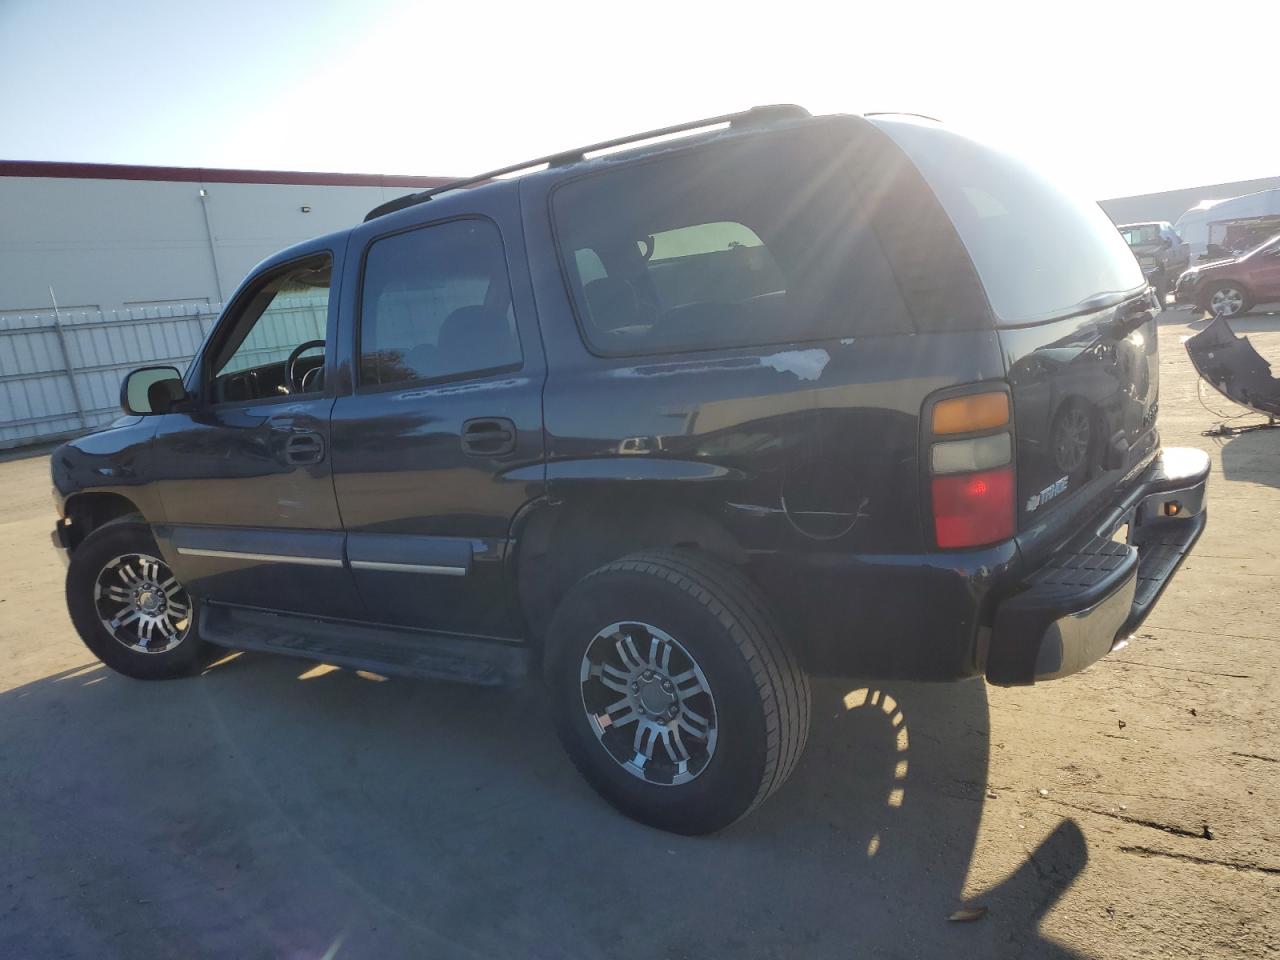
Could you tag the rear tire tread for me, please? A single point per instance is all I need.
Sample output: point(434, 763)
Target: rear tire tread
point(780, 680)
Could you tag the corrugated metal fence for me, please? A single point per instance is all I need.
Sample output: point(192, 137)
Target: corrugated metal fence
point(60, 372)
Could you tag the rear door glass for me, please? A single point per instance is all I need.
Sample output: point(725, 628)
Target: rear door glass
point(436, 305)
point(1039, 251)
point(755, 242)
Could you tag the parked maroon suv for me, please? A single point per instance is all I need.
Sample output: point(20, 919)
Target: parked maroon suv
point(1231, 287)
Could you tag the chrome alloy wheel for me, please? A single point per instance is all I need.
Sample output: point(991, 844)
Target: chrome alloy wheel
point(141, 604)
point(648, 703)
point(1226, 302)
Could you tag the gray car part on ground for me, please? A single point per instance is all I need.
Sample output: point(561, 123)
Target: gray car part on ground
point(1231, 365)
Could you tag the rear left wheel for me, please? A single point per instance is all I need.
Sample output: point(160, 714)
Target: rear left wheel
point(128, 607)
point(673, 692)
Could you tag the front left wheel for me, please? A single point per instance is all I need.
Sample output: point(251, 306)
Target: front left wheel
point(1228, 300)
point(128, 607)
point(673, 691)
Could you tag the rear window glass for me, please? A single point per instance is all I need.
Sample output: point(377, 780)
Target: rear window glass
point(1039, 251)
point(750, 243)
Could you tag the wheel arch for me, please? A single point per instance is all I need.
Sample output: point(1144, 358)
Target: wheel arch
point(559, 542)
point(92, 509)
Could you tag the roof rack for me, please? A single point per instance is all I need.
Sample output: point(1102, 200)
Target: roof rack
point(756, 116)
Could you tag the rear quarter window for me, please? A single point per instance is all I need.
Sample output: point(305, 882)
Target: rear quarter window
point(732, 244)
point(1039, 251)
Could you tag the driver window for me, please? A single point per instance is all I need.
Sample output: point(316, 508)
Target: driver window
point(288, 309)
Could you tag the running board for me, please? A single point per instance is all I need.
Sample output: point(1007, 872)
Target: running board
point(387, 650)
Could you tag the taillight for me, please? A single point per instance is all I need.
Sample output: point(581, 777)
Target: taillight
point(972, 482)
point(973, 411)
point(970, 509)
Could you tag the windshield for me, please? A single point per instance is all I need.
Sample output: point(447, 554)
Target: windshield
point(1041, 253)
point(1140, 233)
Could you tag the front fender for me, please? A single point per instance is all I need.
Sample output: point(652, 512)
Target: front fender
point(112, 461)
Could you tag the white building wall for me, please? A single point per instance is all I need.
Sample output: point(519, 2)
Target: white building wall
point(139, 269)
point(115, 244)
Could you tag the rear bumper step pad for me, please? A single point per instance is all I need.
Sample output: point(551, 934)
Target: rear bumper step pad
point(1094, 593)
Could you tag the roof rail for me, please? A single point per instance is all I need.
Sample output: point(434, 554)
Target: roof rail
point(900, 113)
point(756, 116)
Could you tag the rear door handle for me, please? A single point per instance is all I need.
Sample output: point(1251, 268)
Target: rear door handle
point(304, 447)
point(488, 437)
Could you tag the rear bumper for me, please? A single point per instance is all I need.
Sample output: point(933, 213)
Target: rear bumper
point(1091, 595)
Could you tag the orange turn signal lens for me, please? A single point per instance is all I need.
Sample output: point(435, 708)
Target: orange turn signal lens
point(977, 411)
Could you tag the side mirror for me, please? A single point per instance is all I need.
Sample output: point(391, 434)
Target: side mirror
point(152, 390)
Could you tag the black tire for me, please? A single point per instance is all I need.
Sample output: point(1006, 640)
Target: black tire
point(761, 693)
point(1246, 301)
point(123, 537)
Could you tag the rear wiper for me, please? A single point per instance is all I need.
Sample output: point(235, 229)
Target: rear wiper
point(1127, 319)
point(1098, 301)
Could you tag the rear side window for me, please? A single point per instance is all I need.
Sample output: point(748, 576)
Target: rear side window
point(1039, 251)
point(751, 243)
point(436, 304)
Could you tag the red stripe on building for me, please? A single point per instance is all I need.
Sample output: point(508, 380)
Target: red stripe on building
point(121, 171)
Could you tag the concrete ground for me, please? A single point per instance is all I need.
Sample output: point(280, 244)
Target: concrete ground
point(268, 809)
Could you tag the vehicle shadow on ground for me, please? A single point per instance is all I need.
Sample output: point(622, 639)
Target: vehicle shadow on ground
point(1251, 456)
point(269, 808)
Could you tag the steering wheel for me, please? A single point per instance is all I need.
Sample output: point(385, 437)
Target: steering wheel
point(290, 365)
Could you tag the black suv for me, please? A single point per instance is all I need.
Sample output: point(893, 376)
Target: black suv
point(677, 426)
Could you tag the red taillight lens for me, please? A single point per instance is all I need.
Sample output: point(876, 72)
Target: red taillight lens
point(973, 509)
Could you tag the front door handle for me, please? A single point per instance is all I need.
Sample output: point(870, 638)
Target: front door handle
point(488, 436)
point(304, 447)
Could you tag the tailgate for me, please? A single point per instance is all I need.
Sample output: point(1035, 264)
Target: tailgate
point(1085, 399)
point(1076, 323)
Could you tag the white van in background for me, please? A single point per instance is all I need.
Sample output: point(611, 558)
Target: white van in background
point(1215, 228)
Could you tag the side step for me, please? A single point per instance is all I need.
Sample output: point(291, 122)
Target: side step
point(402, 652)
